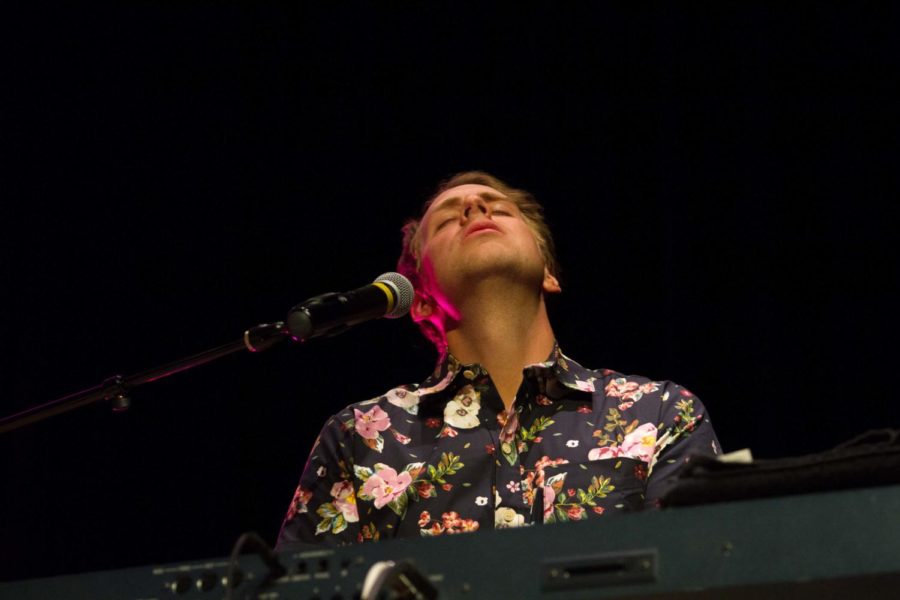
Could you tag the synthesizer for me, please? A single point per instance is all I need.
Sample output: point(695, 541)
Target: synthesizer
point(827, 545)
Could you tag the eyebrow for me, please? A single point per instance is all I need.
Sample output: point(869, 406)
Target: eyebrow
point(456, 200)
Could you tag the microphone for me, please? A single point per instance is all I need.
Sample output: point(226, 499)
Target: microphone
point(390, 295)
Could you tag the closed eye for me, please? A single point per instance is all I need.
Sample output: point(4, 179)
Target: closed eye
point(503, 207)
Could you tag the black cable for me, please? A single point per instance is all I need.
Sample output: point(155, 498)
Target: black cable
point(262, 549)
point(401, 580)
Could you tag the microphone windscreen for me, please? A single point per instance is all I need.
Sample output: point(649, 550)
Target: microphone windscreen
point(404, 293)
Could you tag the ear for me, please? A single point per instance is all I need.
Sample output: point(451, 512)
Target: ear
point(422, 307)
point(550, 284)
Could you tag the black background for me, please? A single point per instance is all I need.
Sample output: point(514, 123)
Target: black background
point(720, 179)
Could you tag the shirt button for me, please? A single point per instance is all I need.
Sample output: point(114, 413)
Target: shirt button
point(505, 446)
point(468, 374)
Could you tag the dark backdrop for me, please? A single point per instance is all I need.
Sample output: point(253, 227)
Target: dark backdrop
point(719, 179)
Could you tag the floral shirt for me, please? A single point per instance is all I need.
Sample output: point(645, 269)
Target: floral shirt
point(446, 457)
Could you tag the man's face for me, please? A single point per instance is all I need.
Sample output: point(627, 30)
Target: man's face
point(474, 231)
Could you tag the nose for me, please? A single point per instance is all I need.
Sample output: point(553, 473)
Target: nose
point(477, 202)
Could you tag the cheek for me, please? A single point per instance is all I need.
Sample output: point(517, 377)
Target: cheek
point(528, 238)
point(430, 278)
point(427, 270)
point(433, 254)
point(429, 273)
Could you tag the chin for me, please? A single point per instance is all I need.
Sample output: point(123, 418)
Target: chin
point(510, 267)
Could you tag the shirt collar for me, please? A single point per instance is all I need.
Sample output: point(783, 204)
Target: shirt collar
point(557, 368)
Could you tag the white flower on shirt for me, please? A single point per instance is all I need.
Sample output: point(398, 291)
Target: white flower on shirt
point(572, 444)
point(405, 399)
point(481, 500)
point(462, 411)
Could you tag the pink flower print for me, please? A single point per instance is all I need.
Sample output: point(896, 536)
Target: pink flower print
point(640, 471)
point(452, 523)
point(451, 519)
point(640, 443)
point(545, 461)
point(345, 500)
point(467, 526)
point(435, 529)
point(584, 385)
point(400, 437)
point(575, 512)
point(621, 388)
point(448, 431)
point(650, 387)
point(386, 486)
point(549, 497)
point(341, 490)
point(604, 453)
point(509, 421)
point(369, 424)
point(424, 518)
point(425, 490)
point(629, 390)
point(298, 503)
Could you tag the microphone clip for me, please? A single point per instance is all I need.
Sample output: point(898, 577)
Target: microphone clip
point(300, 318)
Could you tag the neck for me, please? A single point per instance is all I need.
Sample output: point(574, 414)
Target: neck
point(504, 328)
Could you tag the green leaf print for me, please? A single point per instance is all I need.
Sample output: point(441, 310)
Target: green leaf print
point(399, 504)
point(362, 473)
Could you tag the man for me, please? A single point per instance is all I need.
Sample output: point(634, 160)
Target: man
point(507, 431)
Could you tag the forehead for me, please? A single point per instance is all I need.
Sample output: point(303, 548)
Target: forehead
point(457, 193)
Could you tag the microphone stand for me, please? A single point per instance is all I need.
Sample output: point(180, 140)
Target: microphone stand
point(116, 389)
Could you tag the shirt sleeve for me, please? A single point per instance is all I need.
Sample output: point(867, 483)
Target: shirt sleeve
point(684, 430)
point(323, 509)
